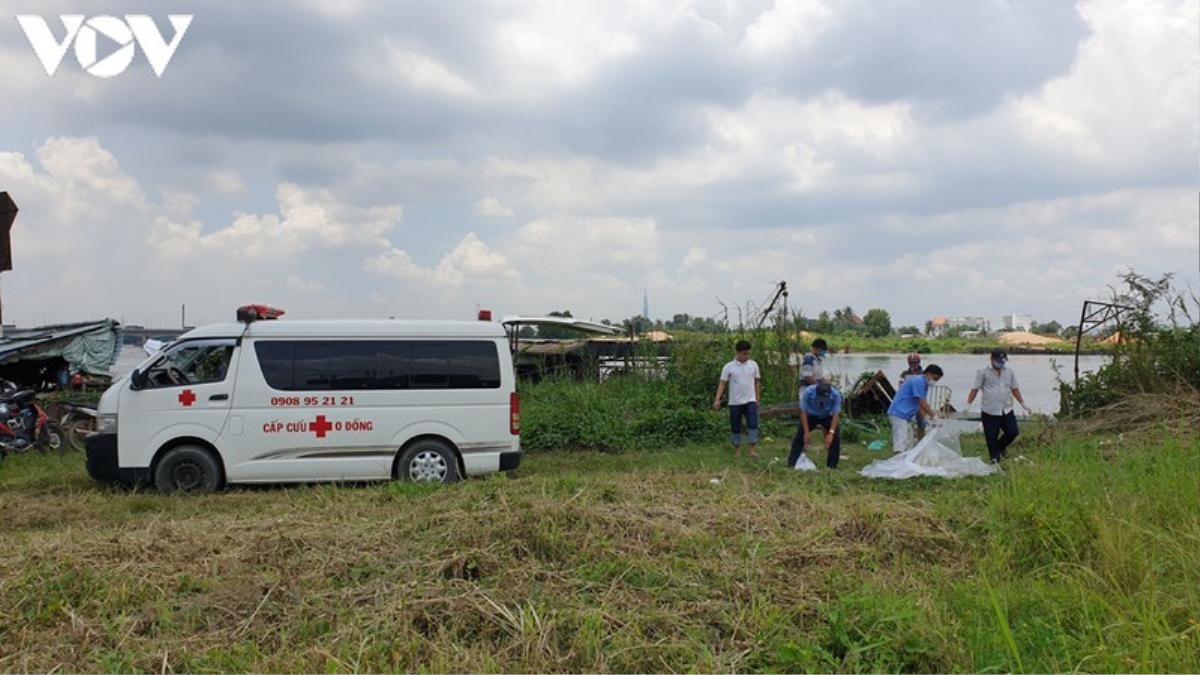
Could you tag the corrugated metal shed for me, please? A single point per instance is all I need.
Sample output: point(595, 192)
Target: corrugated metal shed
point(91, 348)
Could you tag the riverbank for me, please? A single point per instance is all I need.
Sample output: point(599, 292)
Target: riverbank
point(895, 344)
point(1082, 556)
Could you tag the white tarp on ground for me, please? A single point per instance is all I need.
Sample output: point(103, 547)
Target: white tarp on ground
point(938, 454)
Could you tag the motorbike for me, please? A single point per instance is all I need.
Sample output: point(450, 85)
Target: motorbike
point(24, 425)
point(77, 421)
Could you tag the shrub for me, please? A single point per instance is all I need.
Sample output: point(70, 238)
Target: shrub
point(1159, 351)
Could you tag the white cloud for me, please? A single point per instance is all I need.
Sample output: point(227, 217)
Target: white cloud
point(492, 208)
point(787, 25)
point(227, 182)
point(71, 200)
point(295, 283)
point(306, 220)
point(696, 257)
point(1131, 95)
point(573, 244)
point(695, 148)
point(422, 72)
point(561, 44)
point(470, 261)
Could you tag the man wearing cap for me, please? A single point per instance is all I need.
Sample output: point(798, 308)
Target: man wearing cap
point(999, 386)
point(820, 406)
point(914, 368)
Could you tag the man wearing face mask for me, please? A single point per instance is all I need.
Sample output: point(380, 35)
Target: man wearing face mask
point(914, 368)
point(999, 386)
point(812, 366)
point(821, 406)
point(910, 399)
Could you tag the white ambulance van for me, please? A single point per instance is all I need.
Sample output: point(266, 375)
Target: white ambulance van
point(267, 401)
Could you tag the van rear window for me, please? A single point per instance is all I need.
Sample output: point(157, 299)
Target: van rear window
point(356, 365)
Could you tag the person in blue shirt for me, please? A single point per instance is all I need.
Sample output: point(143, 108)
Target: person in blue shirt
point(812, 366)
point(910, 400)
point(914, 368)
point(820, 406)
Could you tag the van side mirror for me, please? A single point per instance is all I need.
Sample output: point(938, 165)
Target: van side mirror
point(137, 379)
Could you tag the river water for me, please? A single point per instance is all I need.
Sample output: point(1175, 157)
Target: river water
point(1035, 372)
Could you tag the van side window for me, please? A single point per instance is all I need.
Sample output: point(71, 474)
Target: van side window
point(189, 364)
point(392, 371)
point(355, 365)
point(474, 365)
point(275, 359)
point(311, 365)
point(430, 369)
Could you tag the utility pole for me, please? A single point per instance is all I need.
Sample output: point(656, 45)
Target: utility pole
point(8, 214)
point(183, 317)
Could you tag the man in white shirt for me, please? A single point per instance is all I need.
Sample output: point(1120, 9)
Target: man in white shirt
point(745, 386)
point(999, 386)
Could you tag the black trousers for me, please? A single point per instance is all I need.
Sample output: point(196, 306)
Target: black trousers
point(999, 431)
point(835, 448)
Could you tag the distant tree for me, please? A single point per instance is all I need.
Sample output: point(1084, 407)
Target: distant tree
point(1048, 328)
point(639, 324)
point(823, 324)
point(705, 324)
point(559, 332)
point(908, 330)
point(527, 332)
point(929, 327)
point(846, 321)
point(878, 322)
point(1069, 332)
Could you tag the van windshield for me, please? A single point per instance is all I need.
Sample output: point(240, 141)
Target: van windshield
point(191, 363)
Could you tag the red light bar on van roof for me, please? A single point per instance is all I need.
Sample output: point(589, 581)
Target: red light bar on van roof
point(485, 315)
point(251, 313)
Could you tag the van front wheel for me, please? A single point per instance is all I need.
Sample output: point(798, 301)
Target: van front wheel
point(429, 461)
point(187, 468)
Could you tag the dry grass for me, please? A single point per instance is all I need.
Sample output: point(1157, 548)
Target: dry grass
point(576, 562)
point(1174, 410)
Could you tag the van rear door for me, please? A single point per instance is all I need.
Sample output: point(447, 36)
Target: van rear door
point(186, 392)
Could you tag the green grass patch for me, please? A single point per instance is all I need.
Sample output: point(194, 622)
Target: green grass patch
point(1080, 557)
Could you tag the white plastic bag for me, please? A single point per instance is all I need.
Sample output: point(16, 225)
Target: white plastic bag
point(938, 454)
point(804, 463)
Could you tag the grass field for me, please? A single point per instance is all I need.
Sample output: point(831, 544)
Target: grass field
point(1085, 556)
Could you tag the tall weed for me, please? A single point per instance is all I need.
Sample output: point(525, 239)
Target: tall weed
point(643, 410)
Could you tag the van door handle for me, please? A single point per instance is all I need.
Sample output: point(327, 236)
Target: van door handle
point(219, 397)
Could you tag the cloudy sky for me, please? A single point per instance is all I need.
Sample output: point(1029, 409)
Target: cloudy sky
point(419, 159)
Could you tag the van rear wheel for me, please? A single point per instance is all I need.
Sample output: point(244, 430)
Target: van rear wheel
point(188, 468)
point(428, 461)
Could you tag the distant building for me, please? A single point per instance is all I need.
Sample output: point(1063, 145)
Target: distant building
point(1022, 322)
point(938, 326)
point(645, 303)
point(970, 323)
